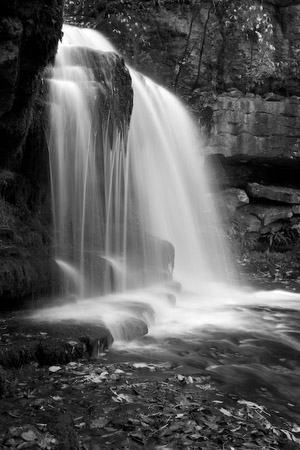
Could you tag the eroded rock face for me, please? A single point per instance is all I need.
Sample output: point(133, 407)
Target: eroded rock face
point(11, 31)
point(255, 126)
point(190, 51)
point(29, 34)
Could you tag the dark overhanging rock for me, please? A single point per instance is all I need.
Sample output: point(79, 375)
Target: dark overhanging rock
point(25, 25)
point(27, 268)
point(29, 34)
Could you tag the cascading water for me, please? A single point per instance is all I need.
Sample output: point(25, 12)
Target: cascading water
point(87, 162)
point(155, 190)
point(127, 201)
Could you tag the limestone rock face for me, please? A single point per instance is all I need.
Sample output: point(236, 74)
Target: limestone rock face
point(255, 126)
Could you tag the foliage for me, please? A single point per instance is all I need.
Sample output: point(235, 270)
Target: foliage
point(142, 28)
point(281, 240)
point(247, 33)
point(249, 27)
point(246, 240)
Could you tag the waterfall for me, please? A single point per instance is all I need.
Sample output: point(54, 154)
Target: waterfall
point(127, 198)
point(123, 205)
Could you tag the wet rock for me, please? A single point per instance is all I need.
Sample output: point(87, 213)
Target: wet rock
point(272, 227)
point(239, 195)
point(16, 355)
point(280, 194)
point(25, 266)
point(2, 381)
point(11, 29)
point(174, 286)
point(269, 213)
point(96, 346)
point(57, 351)
point(52, 343)
point(246, 221)
point(229, 200)
point(131, 328)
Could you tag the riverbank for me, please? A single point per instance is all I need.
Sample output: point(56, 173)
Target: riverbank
point(101, 405)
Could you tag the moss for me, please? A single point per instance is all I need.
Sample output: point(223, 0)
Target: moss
point(57, 351)
point(16, 355)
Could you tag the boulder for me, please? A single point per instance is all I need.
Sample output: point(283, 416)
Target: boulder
point(272, 227)
point(268, 213)
point(247, 222)
point(229, 200)
point(277, 193)
point(235, 197)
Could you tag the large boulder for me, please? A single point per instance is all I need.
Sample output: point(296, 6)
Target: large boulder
point(277, 193)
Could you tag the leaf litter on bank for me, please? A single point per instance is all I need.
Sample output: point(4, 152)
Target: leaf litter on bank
point(119, 404)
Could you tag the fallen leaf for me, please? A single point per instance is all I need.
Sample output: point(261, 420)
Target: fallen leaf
point(101, 422)
point(120, 398)
point(80, 425)
point(48, 442)
point(54, 369)
point(226, 412)
point(57, 398)
point(296, 428)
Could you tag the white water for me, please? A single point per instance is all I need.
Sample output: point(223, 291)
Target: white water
point(157, 188)
point(161, 187)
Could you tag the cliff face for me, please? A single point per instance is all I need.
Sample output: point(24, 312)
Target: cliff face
point(224, 74)
point(256, 126)
point(29, 34)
